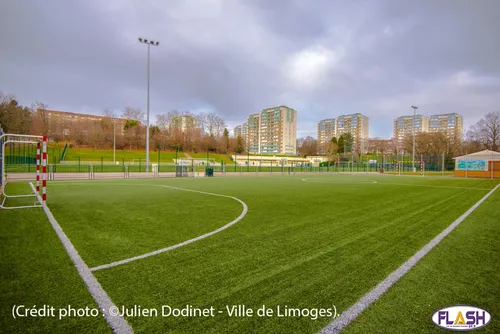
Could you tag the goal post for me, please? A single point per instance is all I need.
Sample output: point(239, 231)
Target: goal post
point(41, 161)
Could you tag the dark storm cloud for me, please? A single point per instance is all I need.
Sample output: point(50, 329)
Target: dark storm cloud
point(324, 58)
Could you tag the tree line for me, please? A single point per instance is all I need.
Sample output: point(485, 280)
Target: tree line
point(208, 132)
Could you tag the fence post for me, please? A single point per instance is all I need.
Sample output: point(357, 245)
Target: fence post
point(466, 168)
point(101, 164)
point(78, 164)
point(442, 165)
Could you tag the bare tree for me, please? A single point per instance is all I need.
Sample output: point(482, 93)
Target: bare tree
point(219, 126)
point(161, 121)
point(135, 114)
point(41, 118)
point(333, 149)
point(168, 120)
point(379, 145)
point(309, 146)
point(201, 122)
point(96, 135)
point(428, 143)
point(487, 131)
point(470, 146)
point(108, 113)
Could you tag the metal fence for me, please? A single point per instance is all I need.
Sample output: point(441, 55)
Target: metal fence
point(19, 163)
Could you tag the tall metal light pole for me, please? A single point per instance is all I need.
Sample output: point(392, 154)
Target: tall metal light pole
point(114, 141)
point(413, 150)
point(149, 43)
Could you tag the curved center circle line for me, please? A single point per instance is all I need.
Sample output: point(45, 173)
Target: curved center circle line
point(184, 243)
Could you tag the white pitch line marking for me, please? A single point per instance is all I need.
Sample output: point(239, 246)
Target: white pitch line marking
point(184, 243)
point(355, 310)
point(117, 323)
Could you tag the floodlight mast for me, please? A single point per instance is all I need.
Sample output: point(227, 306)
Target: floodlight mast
point(149, 43)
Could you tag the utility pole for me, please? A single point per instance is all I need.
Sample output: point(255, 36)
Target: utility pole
point(114, 141)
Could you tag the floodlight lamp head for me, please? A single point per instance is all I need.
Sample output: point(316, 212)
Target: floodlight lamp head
point(140, 39)
point(414, 107)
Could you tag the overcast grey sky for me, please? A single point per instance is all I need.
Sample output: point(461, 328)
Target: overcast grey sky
point(236, 57)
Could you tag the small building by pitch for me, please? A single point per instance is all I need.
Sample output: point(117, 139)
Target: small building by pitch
point(480, 164)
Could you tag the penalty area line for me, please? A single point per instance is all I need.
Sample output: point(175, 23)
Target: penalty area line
point(184, 243)
point(355, 310)
point(117, 323)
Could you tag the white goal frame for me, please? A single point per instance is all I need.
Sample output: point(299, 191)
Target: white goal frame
point(41, 160)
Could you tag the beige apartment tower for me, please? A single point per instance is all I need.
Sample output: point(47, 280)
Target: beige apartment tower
point(358, 126)
point(326, 131)
point(278, 131)
point(272, 131)
point(253, 133)
point(403, 128)
point(452, 125)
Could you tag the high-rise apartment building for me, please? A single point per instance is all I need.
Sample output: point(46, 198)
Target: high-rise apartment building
point(253, 133)
point(272, 131)
point(241, 131)
point(326, 131)
point(452, 125)
point(358, 126)
point(403, 127)
point(278, 131)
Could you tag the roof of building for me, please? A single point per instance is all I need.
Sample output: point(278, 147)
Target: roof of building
point(485, 153)
point(69, 113)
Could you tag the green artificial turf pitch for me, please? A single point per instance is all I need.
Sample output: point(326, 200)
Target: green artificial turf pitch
point(307, 241)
